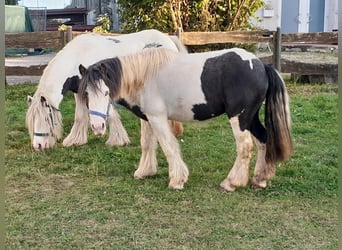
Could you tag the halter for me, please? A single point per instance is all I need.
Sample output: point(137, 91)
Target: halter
point(52, 123)
point(41, 134)
point(100, 114)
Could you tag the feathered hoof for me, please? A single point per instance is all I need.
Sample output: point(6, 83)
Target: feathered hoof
point(178, 185)
point(140, 175)
point(121, 143)
point(258, 185)
point(227, 186)
point(69, 142)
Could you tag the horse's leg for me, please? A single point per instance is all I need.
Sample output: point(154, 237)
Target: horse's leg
point(238, 175)
point(117, 133)
point(178, 171)
point(78, 133)
point(148, 161)
point(177, 128)
point(263, 170)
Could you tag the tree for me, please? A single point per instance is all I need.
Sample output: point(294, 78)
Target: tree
point(200, 15)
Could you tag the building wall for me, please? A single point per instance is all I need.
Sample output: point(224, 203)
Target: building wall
point(301, 21)
point(271, 15)
point(331, 15)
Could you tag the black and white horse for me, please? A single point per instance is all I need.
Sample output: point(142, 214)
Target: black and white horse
point(159, 84)
point(43, 118)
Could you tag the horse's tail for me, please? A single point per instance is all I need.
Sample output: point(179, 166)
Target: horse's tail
point(277, 118)
point(180, 46)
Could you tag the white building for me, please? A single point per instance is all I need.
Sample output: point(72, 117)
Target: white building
point(300, 15)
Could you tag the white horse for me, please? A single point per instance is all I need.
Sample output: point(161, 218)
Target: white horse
point(158, 84)
point(43, 117)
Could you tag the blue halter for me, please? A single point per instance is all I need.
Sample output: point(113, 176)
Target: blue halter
point(104, 115)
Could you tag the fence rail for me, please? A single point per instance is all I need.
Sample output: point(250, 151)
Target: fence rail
point(58, 39)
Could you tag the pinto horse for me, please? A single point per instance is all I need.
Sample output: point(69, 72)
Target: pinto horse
point(43, 118)
point(158, 84)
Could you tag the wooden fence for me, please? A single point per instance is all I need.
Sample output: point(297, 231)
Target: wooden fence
point(58, 39)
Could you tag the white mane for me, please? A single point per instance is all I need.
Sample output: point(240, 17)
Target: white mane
point(38, 113)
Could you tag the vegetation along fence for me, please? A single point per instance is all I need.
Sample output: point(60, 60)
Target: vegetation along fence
point(58, 39)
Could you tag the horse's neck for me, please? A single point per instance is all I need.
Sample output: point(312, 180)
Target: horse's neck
point(53, 78)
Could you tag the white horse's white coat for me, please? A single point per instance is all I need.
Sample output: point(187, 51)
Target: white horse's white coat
point(87, 49)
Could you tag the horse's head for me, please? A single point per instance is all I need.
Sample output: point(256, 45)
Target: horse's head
point(95, 93)
point(44, 123)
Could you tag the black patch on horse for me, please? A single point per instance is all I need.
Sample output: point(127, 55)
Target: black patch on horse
point(231, 86)
point(71, 84)
point(134, 109)
point(152, 45)
point(113, 40)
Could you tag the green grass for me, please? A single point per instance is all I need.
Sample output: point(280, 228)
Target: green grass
point(86, 198)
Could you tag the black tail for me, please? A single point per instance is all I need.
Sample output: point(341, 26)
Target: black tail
point(277, 118)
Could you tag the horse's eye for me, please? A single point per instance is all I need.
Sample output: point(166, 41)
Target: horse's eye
point(106, 93)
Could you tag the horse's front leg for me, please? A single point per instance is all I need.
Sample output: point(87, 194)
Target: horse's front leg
point(238, 175)
point(117, 133)
point(178, 171)
point(263, 170)
point(148, 161)
point(78, 134)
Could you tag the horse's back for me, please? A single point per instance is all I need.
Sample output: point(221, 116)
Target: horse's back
point(206, 85)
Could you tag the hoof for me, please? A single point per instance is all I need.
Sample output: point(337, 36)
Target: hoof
point(258, 185)
point(139, 175)
point(176, 185)
point(118, 144)
point(227, 186)
point(68, 143)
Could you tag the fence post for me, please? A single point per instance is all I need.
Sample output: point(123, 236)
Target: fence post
point(277, 49)
point(179, 34)
point(68, 34)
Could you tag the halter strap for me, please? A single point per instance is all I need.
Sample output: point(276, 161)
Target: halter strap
point(100, 114)
point(41, 134)
point(97, 113)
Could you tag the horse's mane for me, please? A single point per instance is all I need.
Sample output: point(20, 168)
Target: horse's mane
point(125, 75)
point(139, 67)
point(37, 112)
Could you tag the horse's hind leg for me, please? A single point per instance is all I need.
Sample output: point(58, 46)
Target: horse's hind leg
point(177, 128)
point(78, 133)
point(178, 171)
point(263, 170)
point(148, 161)
point(117, 133)
point(238, 175)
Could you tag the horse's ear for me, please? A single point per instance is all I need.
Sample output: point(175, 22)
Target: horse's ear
point(82, 70)
point(29, 100)
point(71, 84)
point(42, 99)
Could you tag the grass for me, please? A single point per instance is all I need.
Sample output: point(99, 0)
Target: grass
point(86, 198)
